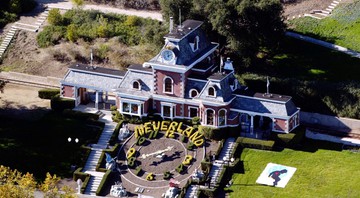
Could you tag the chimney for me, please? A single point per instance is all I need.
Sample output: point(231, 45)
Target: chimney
point(171, 24)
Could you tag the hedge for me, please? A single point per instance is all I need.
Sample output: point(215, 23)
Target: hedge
point(103, 182)
point(83, 176)
point(255, 143)
point(59, 104)
point(48, 93)
point(210, 192)
point(115, 135)
point(80, 115)
point(102, 161)
point(289, 140)
point(218, 151)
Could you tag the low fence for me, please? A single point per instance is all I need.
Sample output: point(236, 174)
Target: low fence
point(33, 80)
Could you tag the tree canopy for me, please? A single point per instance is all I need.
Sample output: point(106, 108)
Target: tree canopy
point(246, 27)
point(15, 184)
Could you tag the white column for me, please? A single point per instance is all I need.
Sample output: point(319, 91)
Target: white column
point(172, 112)
point(97, 100)
point(75, 96)
point(251, 124)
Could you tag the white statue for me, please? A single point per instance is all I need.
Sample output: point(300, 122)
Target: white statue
point(124, 132)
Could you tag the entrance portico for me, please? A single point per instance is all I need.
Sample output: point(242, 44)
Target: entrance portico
point(87, 84)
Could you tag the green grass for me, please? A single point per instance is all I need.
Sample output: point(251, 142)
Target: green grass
point(342, 27)
point(306, 61)
point(319, 80)
point(320, 172)
point(41, 146)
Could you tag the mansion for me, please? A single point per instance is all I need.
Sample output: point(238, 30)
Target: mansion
point(182, 81)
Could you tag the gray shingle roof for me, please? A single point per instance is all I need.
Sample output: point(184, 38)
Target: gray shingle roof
point(264, 106)
point(193, 84)
point(92, 80)
point(146, 81)
point(186, 27)
point(102, 70)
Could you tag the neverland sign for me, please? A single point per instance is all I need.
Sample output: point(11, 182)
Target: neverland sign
point(170, 127)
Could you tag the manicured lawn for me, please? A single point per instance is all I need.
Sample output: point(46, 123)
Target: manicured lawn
point(342, 27)
point(313, 75)
point(320, 172)
point(41, 146)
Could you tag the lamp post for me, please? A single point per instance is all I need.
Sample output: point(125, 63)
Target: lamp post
point(76, 140)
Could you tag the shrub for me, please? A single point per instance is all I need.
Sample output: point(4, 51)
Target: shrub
point(48, 93)
point(167, 175)
point(115, 135)
point(59, 104)
point(54, 17)
point(195, 120)
point(138, 170)
point(50, 35)
point(113, 108)
point(255, 143)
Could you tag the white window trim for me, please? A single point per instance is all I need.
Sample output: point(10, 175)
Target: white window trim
point(132, 84)
point(196, 39)
point(197, 111)
point(214, 91)
point(172, 85)
point(224, 118)
point(172, 109)
point(206, 117)
point(131, 103)
point(197, 93)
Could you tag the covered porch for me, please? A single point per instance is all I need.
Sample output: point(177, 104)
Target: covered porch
point(91, 86)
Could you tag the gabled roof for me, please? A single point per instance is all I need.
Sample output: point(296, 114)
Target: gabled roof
point(145, 79)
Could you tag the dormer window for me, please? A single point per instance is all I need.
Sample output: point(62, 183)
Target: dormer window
point(211, 91)
point(233, 84)
point(195, 44)
point(168, 85)
point(136, 85)
point(193, 93)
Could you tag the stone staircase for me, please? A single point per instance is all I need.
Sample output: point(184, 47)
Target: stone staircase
point(227, 149)
point(95, 154)
point(93, 184)
point(22, 26)
point(215, 171)
point(320, 14)
point(7, 40)
point(192, 191)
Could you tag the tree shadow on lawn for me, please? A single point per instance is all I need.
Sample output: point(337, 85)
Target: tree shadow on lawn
point(40, 146)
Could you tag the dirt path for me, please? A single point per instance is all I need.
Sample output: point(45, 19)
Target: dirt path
point(65, 4)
